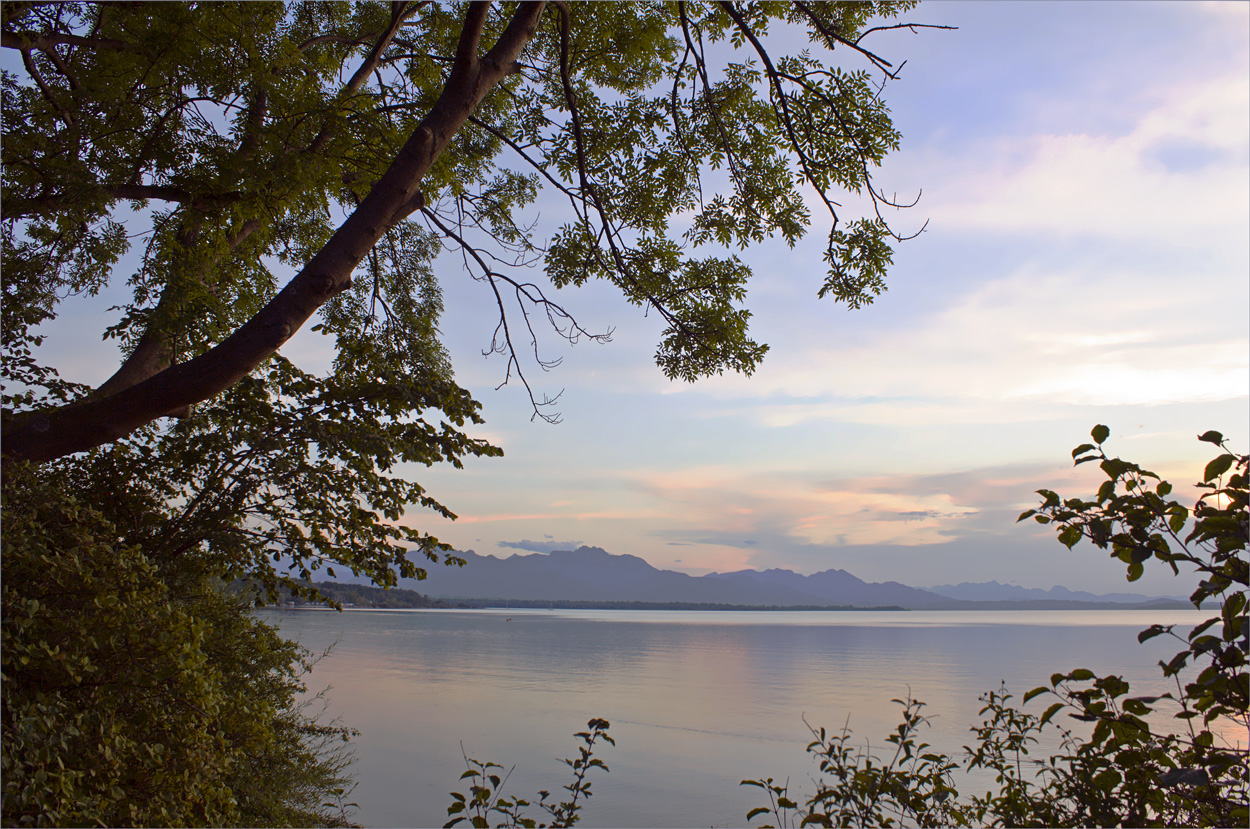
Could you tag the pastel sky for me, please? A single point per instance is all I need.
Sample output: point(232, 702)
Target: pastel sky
point(1085, 170)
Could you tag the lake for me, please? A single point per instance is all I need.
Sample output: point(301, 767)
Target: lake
point(697, 700)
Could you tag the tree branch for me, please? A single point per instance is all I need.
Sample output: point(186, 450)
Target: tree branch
point(30, 40)
point(400, 12)
point(45, 435)
point(564, 323)
point(782, 105)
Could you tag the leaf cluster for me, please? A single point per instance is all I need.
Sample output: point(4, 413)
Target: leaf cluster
point(859, 788)
point(302, 473)
point(485, 800)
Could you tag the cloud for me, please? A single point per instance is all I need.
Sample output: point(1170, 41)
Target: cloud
point(488, 518)
point(1023, 347)
point(734, 510)
point(1179, 170)
point(540, 546)
point(1239, 12)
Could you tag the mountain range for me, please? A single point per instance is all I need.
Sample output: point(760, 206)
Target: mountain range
point(591, 574)
point(994, 592)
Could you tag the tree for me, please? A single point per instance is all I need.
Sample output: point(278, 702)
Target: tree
point(348, 144)
point(1129, 769)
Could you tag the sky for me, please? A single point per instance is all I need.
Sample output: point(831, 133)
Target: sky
point(1085, 175)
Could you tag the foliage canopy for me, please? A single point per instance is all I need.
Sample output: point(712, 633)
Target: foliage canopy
point(232, 124)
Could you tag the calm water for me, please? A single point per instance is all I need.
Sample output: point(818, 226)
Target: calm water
point(697, 700)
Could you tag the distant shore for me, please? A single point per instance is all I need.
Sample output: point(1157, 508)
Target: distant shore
point(365, 597)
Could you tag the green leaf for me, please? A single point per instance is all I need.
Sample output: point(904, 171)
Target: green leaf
point(1217, 467)
point(1081, 675)
point(1082, 449)
point(1100, 434)
point(1049, 712)
point(1211, 437)
point(1041, 689)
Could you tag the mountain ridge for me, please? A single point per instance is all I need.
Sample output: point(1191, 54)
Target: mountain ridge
point(591, 574)
point(993, 591)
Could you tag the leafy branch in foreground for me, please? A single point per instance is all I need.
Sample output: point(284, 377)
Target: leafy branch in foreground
point(350, 143)
point(1129, 768)
point(486, 798)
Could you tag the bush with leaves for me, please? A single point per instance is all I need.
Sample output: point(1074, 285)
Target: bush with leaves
point(1128, 768)
point(137, 689)
point(486, 800)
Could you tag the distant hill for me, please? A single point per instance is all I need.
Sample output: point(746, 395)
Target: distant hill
point(832, 586)
point(992, 591)
point(593, 576)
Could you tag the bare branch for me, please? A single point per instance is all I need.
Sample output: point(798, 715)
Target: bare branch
point(878, 61)
point(525, 292)
point(833, 37)
point(559, 185)
point(911, 26)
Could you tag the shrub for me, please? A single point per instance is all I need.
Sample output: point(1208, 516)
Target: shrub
point(1127, 771)
point(137, 690)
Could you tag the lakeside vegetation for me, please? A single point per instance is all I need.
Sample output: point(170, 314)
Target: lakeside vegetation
point(227, 174)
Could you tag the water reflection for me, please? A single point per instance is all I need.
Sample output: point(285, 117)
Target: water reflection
point(697, 701)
